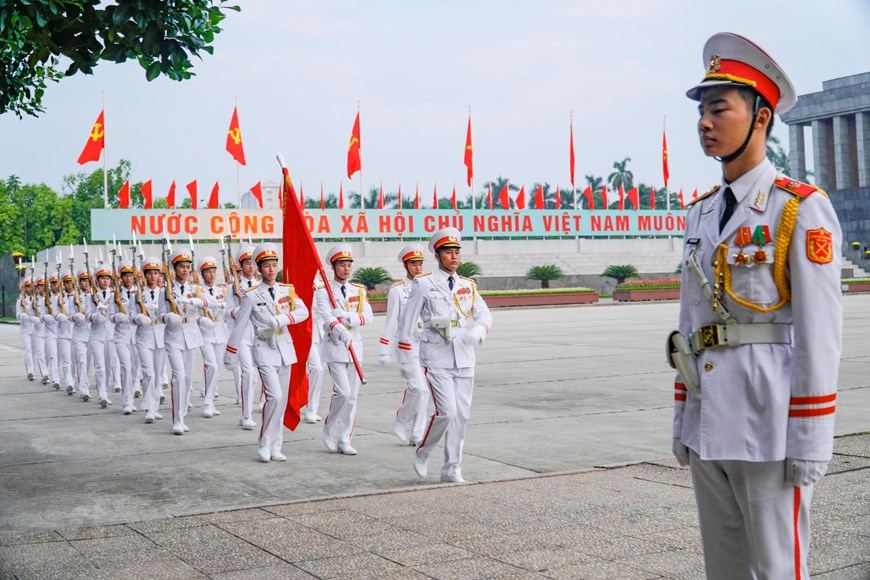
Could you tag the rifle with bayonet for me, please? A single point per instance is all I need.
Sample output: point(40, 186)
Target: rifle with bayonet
point(230, 269)
point(60, 300)
point(169, 278)
point(90, 276)
point(72, 271)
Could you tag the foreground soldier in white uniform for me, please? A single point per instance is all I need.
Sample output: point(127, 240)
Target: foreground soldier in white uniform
point(49, 338)
point(39, 329)
point(149, 339)
point(120, 310)
point(455, 321)
point(269, 309)
point(246, 370)
point(62, 313)
point(314, 368)
point(81, 335)
point(100, 338)
point(759, 339)
point(24, 312)
point(411, 415)
point(342, 325)
point(214, 332)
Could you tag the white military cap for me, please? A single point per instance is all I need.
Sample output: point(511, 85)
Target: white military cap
point(245, 254)
point(151, 263)
point(180, 255)
point(731, 59)
point(265, 251)
point(102, 270)
point(339, 252)
point(445, 238)
point(411, 252)
point(207, 262)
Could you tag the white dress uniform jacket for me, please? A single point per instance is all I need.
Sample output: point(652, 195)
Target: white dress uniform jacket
point(352, 300)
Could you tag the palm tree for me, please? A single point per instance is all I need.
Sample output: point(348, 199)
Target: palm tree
point(777, 155)
point(621, 176)
point(469, 270)
point(620, 273)
point(371, 277)
point(545, 274)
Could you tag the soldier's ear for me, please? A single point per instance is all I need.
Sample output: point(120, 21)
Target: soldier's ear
point(763, 118)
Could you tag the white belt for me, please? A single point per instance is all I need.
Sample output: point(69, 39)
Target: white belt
point(716, 335)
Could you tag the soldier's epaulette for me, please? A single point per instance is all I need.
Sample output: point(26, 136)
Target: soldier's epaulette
point(802, 190)
point(319, 286)
point(360, 286)
point(397, 283)
point(426, 274)
point(285, 285)
point(251, 289)
point(712, 190)
point(469, 279)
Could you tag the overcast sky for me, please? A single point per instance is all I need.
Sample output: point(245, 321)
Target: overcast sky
point(299, 68)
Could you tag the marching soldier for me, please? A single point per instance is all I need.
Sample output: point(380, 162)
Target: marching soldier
point(314, 368)
point(120, 310)
point(39, 329)
point(62, 312)
point(411, 415)
point(245, 369)
point(759, 340)
point(182, 334)
point(268, 309)
point(342, 327)
point(81, 332)
point(149, 339)
point(24, 312)
point(100, 338)
point(214, 331)
point(455, 321)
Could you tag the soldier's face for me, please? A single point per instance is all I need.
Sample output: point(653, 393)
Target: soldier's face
point(208, 275)
point(414, 268)
point(182, 271)
point(152, 277)
point(29, 290)
point(269, 271)
point(724, 121)
point(67, 286)
point(248, 268)
point(41, 288)
point(448, 259)
point(54, 286)
point(127, 279)
point(342, 269)
point(104, 282)
point(85, 284)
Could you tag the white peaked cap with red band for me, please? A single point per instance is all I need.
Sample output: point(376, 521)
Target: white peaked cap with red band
point(445, 238)
point(265, 251)
point(207, 262)
point(339, 252)
point(411, 252)
point(180, 255)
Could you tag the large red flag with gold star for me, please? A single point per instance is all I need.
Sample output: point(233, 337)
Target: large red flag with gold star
point(234, 139)
point(96, 142)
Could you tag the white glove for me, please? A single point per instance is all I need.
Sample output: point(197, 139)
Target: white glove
point(78, 317)
point(220, 305)
point(172, 320)
point(344, 335)
point(98, 318)
point(141, 320)
point(408, 370)
point(801, 473)
point(120, 318)
point(206, 322)
point(681, 452)
point(231, 361)
point(62, 317)
point(184, 300)
point(35, 320)
point(102, 308)
point(49, 320)
point(276, 322)
point(475, 335)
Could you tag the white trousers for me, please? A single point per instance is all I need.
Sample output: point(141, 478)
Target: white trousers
point(64, 353)
point(125, 361)
point(248, 372)
point(27, 340)
point(342, 405)
point(412, 411)
point(151, 361)
point(210, 353)
point(102, 359)
point(80, 360)
point(181, 363)
point(753, 525)
point(50, 346)
point(114, 364)
point(39, 348)
point(314, 368)
point(276, 381)
point(451, 393)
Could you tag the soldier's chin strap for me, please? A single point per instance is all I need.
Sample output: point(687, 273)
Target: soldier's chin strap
point(742, 148)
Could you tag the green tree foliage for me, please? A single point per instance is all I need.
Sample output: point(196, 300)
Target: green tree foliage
point(469, 270)
point(620, 273)
point(545, 273)
point(621, 175)
point(40, 37)
point(777, 155)
point(371, 277)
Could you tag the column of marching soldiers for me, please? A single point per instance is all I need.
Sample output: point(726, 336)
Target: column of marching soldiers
point(131, 326)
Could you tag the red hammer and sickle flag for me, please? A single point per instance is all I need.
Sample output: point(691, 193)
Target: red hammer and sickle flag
point(96, 142)
point(234, 139)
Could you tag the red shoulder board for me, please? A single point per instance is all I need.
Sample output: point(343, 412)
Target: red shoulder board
point(802, 190)
point(707, 193)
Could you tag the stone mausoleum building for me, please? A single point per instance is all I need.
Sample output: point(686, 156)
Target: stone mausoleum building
point(839, 116)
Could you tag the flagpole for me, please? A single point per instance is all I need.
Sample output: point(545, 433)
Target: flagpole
point(105, 154)
point(576, 206)
point(362, 203)
point(473, 203)
point(664, 132)
point(238, 168)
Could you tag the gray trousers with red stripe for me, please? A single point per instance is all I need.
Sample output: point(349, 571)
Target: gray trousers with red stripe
point(753, 525)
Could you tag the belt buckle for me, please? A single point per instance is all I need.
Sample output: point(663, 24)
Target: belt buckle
point(454, 324)
point(709, 335)
point(279, 330)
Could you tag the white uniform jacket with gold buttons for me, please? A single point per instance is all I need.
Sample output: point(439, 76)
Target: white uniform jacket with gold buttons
point(764, 402)
point(151, 335)
point(187, 335)
point(396, 300)
point(357, 304)
point(431, 297)
point(271, 347)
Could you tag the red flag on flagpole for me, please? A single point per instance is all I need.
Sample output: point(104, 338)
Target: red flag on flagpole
point(519, 198)
point(399, 197)
point(489, 195)
point(417, 197)
point(191, 189)
point(96, 142)
point(621, 205)
point(435, 197)
point(341, 196)
point(652, 197)
point(257, 192)
point(124, 195)
point(558, 200)
point(453, 198)
point(680, 197)
point(300, 264)
point(571, 152)
point(634, 196)
point(539, 197)
point(234, 139)
point(145, 190)
point(604, 203)
point(381, 197)
point(504, 197)
point(170, 197)
point(322, 201)
point(695, 194)
point(301, 196)
point(665, 172)
point(590, 198)
point(215, 196)
point(469, 163)
point(354, 163)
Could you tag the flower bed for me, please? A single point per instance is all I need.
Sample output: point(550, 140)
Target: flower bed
point(640, 290)
point(507, 298)
point(852, 285)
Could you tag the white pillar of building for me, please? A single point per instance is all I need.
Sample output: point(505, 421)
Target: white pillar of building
point(842, 153)
point(821, 154)
point(862, 132)
point(797, 158)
